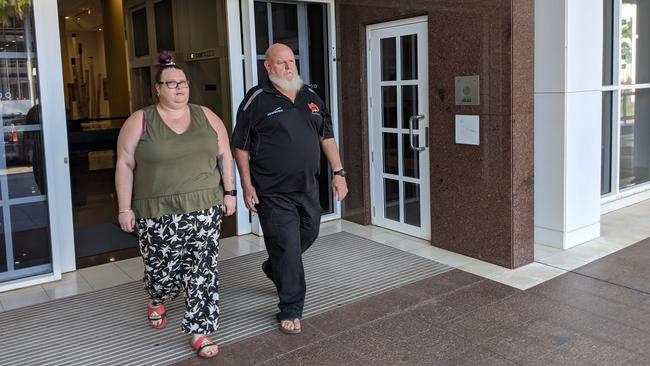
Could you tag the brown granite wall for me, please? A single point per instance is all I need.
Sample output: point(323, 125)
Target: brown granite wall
point(481, 196)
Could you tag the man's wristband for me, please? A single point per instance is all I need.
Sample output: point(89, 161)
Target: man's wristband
point(341, 173)
point(231, 193)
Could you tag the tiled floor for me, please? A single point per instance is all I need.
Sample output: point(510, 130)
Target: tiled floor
point(596, 317)
point(619, 230)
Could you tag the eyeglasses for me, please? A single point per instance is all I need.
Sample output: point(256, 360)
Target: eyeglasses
point(173, 84)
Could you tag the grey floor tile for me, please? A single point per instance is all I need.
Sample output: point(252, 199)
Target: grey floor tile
point(373, 338)
point(588, 351)
point(530, 342)
point(327, 352)
point(480, 356)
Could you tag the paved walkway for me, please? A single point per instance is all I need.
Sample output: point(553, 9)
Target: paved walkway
point(597, 315)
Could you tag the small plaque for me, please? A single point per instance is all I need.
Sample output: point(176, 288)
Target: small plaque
point(467, 90)
point(467, 130)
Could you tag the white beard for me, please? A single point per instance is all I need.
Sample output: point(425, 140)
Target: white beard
point(292, 86)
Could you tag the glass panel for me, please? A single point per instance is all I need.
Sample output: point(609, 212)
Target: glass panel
point(409, 105)
point(140, 33)
point(412, 204)
point(635, 48)
point(410, 57)
point(261, 70)
point(389, 102)
point(411, 157)
point(606, 145)
point(285, 24)
point(608, 42)
point(3, 250)
point(390, 153)
point(388, 59)
point(30, 234)
point(22, 158)
point(261, 28)
point(391, 199)
point(142, 90)
point(25, 164)
point(164, 25)
point(635, 137)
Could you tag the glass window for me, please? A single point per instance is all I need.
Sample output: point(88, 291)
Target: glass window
point(634, 160)
point(412, 204)
point(635, 44)
point(285, 25)
point(142, 87)
point(608, 42)
point(140, 33)
point(409, 57)
point(389, 101)
point(261, 27)
point(25, 248)
point(606, 145)
point(391, 199)
point(30, 235)
point(388, 59)
point(164, 25)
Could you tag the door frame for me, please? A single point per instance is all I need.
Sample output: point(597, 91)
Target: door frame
point(246, 64)
point(55, 146)
point(423, 95)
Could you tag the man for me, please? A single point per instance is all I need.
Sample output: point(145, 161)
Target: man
point(281, 127)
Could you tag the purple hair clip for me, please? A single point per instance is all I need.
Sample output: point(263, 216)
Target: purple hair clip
point(166, 59)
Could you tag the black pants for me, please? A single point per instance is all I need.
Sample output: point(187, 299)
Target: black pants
point(290, 222)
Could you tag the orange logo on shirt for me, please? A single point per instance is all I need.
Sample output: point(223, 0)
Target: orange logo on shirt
point(313, 107)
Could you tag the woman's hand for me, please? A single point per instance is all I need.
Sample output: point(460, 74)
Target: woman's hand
point(127, 221)
point(229, 205)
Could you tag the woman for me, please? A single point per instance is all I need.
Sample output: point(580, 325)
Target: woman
point(172, 158)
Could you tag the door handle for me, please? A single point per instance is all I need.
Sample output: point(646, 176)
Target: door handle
point(413, 147)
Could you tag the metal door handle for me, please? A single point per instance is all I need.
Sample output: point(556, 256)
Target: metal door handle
point(413, 147)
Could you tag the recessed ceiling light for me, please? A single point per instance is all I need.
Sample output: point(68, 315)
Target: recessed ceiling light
point(67, 17)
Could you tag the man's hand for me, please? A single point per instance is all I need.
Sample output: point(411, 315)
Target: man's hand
point(229, 205)
point(340, 187)
point(250, 198)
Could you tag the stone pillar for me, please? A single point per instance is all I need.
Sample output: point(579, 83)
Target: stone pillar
point(115, 51)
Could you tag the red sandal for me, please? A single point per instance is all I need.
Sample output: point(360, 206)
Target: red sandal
point(162, 316)
point(199, 345)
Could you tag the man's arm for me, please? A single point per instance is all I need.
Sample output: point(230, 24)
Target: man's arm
point(250, 195)
point(331, 151)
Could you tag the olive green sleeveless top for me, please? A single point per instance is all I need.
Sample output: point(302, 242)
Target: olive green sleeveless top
point(176, 173)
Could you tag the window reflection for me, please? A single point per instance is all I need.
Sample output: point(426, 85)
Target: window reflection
point(634, 137)
point(24, 224)
point(635, 42)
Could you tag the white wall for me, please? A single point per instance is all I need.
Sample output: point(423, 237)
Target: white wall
point(568, 78)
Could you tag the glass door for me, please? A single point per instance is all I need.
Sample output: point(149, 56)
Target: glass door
point(25, 235)
point(398, 110)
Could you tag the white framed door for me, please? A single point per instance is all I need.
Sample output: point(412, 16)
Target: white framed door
point(398, 112)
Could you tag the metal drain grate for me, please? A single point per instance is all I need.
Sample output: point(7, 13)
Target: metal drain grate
point(109, 327)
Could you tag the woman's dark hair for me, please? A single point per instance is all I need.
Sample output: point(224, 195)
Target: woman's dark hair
point(165, 61)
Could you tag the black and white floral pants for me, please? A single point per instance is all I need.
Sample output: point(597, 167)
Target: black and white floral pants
point(180, 254)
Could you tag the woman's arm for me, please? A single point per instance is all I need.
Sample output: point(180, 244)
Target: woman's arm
point(126, 144)
point(226, 162)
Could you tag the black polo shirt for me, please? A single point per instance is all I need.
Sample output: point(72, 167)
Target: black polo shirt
point(283, 138)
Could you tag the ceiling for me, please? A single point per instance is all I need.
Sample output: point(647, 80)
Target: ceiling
point(83, 15)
